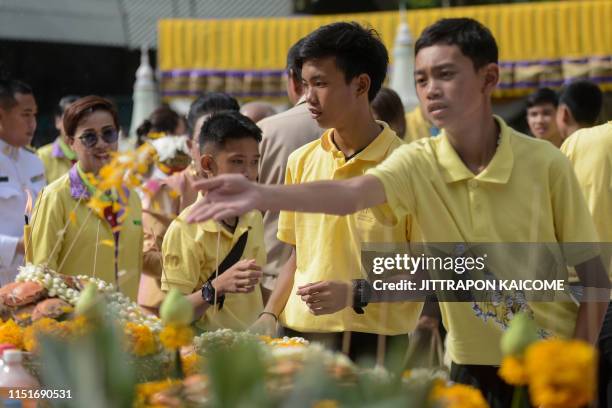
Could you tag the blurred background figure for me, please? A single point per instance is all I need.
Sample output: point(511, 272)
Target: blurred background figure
point(57, 157)
point(257, 110)
point(281, 135)
point(541, 115)
point(418, 126)
point(21, 172)
point(387, 106)
point(163, 122)
point(579, 106)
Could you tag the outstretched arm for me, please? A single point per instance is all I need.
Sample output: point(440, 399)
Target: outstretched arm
point(232, 195)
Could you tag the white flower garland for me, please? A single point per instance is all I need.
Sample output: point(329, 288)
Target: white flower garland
point(119, 306)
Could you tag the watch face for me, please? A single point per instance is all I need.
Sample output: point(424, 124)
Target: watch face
point(208, 293)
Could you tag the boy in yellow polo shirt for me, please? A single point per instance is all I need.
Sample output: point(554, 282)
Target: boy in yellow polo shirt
point(590, 151)
point(341, 78)
point(194, 255)
point(478, 181)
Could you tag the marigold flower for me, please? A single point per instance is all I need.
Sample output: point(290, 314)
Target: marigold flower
point(458, 396)
point(513, 371)
point(147, 390)
point(11, 333)
point(141, 341)
point(192, 363)
point(562, 373)
point(174, 336)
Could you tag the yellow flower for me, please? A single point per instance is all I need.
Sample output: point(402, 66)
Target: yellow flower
point(192, 363)
point(175, 336)
point(79, 326)
point(11, 333)
point(140, 339)
point(458, 396)
point(46, 326)
point(513, 371)
point(327, 403)
point(145, 391)
point(562, 373)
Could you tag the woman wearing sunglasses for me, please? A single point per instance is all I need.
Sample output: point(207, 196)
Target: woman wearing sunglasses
point(69, 236)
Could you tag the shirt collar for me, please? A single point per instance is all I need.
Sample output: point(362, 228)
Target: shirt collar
point(244, 224)
point(61, 150)
point(498, 170)
point(9, 150)
point(374, 152)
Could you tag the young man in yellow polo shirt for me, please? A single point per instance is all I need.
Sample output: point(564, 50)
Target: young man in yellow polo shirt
point(342, 66)
point(590, 151)
point(478, 181)
point(194, 254)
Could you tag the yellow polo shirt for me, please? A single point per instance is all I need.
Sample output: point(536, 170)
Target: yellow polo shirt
point(190, 256)
point(87, 247)
point(527, 193)
point(328, 247)
point(590, 151)
point(55, 167)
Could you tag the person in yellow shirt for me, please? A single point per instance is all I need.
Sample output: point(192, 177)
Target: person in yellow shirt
point(579, 105)
point(58, 157)
point(69, 236)
point(477, 182)
point(418, 126)
point(590, 151)
point(341, 78)
point(218, 265)
point(166, 198)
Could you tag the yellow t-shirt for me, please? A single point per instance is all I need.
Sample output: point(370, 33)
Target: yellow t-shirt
point(55, 167)
point(328, 247)
point(590, 151)
point(527, 193)
point(87, 247)
point(191, 254)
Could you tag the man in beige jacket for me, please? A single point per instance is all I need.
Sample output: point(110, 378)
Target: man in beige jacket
point(282, 134)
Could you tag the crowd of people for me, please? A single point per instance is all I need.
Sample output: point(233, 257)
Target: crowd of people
point(215, 222)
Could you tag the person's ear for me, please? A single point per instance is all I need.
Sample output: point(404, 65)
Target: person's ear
point(208, 165)
point(491, 78)
point(363, 84)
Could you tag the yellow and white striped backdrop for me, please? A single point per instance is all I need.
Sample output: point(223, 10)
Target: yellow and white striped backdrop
point(541, 44)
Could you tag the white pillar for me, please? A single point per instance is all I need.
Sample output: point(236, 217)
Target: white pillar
point(402, 72)
point(145, 98)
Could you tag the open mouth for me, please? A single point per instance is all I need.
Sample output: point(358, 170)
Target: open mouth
point(436, 109)
point(314, 113)
point(102, 156)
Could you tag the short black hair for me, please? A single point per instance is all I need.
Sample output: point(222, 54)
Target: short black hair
point(210, 102)
point(292, 56)
point(473, 39)
point(357, 51)
point(8, 89)
point(584, 100)
point(543, 96)
point(64, 103)
point(224, 125)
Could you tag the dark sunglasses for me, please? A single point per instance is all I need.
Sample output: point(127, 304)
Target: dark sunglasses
point(90, 138)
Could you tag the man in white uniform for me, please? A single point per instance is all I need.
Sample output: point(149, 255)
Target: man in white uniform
point(20, 171)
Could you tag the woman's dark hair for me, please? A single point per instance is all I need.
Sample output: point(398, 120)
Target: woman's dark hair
point(84, 107)
point(357, 50)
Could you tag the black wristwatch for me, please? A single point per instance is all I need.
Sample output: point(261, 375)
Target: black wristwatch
point(361, 295)
point(208, 294)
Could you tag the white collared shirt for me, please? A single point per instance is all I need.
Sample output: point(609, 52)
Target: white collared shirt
point(20, 171)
